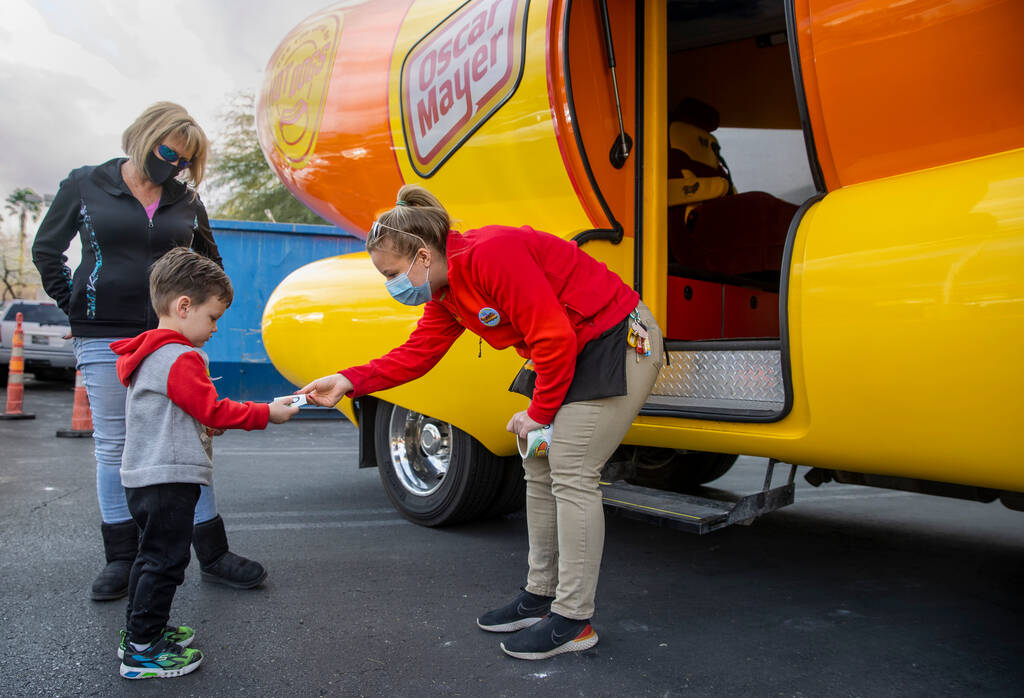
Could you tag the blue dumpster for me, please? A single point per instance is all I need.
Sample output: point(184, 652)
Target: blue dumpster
point(257, 256)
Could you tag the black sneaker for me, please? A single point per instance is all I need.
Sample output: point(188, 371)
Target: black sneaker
point(524, 611)
point(179, 635)
point(553, 635)
point(161, 660)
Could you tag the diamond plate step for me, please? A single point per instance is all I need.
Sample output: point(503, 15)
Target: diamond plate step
point(720, 378)
point(754, 375)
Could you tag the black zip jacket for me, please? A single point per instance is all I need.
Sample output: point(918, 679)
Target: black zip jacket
point(108, 295)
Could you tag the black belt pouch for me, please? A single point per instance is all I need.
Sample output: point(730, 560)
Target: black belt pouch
point(600, 369)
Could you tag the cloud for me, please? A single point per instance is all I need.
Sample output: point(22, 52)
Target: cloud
point(58, 126)
point(75, 74)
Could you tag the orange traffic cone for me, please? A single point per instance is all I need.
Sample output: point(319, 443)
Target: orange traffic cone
point(16, 376)
point(81, 416)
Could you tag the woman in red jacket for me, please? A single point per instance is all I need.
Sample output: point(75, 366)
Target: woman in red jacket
point(577, 323)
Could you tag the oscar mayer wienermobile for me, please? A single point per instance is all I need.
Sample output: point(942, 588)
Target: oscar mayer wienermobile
point(847, 293)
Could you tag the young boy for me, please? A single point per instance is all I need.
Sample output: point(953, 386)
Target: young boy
point(171, 407)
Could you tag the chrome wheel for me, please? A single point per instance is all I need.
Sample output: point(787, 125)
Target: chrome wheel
point(421, 450)
point(436, 474)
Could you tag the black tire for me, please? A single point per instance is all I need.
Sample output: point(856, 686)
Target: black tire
point(3, 374)
point(667, 469)
point(511, 496)
point(453, 484)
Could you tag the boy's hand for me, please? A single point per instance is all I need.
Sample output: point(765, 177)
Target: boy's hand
point(327, 391)
point(210, 431)
point(281, 413)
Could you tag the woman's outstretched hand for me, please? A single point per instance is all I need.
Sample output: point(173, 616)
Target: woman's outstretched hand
point(521, 424)
point(327, 391)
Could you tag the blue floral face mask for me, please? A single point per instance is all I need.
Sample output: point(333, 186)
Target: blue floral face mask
point(402, 290)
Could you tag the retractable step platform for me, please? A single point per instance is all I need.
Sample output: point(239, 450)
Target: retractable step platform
point(696, 514)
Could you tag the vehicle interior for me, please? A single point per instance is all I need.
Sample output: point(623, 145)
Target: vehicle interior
point(738, 167)
point(737, 173)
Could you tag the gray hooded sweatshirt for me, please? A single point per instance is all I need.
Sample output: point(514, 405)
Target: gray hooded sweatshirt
point(171, 401)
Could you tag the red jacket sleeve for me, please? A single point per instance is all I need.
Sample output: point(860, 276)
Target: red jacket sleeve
point(190, 388)
point(516, 281)
point(434, 335)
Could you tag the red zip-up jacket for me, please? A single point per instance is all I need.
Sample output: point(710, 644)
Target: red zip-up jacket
point(515, 287)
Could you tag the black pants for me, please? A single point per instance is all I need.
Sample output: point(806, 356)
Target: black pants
point(164, 514)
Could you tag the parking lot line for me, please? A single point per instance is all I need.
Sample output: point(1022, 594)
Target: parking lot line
point(315, 525)
point(321, 512)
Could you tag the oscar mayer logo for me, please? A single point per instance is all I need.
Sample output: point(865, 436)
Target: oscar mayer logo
point(295, 87)
point(458, 75)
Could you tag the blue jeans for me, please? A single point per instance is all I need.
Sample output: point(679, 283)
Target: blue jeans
point(106, 401)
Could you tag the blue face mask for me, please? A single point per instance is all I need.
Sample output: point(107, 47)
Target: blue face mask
point(402, 290)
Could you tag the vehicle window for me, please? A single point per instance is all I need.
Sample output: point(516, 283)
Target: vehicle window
point(42, 314)
point(771, 160)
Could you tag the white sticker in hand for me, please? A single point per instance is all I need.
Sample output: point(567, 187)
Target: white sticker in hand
point(292, 400)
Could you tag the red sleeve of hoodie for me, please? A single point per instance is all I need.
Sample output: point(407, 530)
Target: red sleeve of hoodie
point(434, 335)
point(516, 281)
point(190, 388)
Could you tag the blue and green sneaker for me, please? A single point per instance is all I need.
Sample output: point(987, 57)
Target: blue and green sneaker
point(161, 660)
point(180, 635)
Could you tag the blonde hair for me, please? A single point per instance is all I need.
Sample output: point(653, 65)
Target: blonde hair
point(154, 125)
point(417, 213)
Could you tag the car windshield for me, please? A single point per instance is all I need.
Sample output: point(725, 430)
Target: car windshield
point(41, 314)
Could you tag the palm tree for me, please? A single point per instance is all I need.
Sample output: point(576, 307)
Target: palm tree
point(24, 203)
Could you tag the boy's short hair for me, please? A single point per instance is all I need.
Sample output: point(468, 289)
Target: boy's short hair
point(182, 272)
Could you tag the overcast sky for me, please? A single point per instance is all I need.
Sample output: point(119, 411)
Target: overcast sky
point(75, 73)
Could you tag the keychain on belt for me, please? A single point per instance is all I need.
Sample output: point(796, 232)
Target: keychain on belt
point(637, 336)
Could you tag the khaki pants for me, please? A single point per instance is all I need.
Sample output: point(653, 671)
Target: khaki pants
point(564, 514)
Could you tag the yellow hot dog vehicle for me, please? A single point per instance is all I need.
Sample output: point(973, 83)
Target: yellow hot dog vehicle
point(822, 202)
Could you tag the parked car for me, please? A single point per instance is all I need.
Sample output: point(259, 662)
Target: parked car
point(47, 354)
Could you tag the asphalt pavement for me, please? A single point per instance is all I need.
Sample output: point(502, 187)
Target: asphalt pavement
point(849, 592)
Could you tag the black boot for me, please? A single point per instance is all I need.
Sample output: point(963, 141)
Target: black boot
point(120, 543)
point(220, 565)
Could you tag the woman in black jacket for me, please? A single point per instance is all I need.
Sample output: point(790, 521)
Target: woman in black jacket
point(127, 213)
